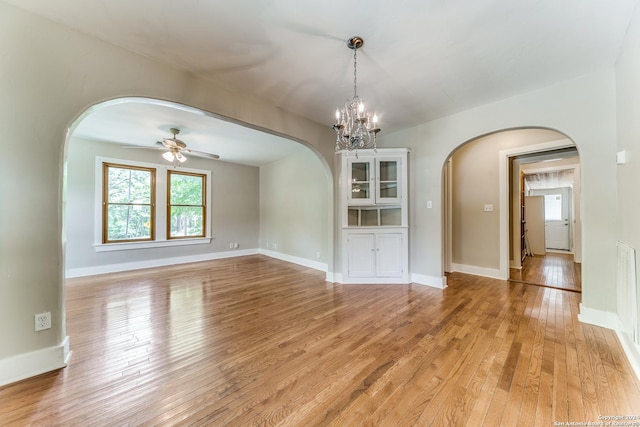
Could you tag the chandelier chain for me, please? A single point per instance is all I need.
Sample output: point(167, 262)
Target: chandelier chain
point(355, 73)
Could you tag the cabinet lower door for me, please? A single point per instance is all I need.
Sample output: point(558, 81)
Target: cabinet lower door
point(389, 255)
point(362, 255)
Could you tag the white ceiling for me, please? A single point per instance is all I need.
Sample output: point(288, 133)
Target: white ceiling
point(422, 59)
point(138, 121)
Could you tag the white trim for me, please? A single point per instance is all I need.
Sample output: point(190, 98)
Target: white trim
point(503, 180)
point(433, 281)
point(128, 266)
point(478, 271)
point(295, 260)
point(138, 265)
point(600, 318)
point(631, 350)
point(100, 247)
point(21, 366)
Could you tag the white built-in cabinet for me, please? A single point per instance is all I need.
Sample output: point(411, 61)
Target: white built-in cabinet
point(373, 216)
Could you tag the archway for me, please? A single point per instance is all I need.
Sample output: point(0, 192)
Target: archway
point(485, 224)
point(138, 121)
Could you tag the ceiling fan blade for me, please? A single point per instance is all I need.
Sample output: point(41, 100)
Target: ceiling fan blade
point(201, 154)
point(143, 147)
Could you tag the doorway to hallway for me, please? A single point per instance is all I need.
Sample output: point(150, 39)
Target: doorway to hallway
point(557, 217)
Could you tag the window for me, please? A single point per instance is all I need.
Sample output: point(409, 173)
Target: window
point(127, 203)
point(185, 204)
point(127, 194)
point(553, 207)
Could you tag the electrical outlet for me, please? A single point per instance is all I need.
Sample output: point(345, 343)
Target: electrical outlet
point(230, 245)
point(236, 245)
point(42, 321)
point(274, 245)
point(318, 255)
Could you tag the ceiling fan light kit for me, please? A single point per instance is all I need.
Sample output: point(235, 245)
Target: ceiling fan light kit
point(174, 145)
point(176, 149)
point(355, 127)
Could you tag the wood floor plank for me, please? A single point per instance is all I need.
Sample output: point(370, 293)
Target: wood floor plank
point(257, 341)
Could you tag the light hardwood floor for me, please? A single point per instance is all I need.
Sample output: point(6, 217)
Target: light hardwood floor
point(257, 341)
point(556, 270)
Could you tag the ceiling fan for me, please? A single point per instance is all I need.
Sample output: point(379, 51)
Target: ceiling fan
point(176, 149)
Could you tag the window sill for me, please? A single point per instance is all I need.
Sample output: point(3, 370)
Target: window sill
point(109, 247)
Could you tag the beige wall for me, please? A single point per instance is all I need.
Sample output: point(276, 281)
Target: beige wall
point(628, 110)
point(293, 207)
point(628, 174)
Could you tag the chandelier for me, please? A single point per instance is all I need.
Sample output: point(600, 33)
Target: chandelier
point(355, 128)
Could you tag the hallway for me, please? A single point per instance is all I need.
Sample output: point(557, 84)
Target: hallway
point(555, 270)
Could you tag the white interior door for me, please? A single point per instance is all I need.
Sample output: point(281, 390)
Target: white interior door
point(557, 207)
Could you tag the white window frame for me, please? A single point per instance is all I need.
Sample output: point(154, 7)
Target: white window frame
point(161, 239)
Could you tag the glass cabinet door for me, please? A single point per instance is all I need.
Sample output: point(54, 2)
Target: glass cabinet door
point(360, 181)
point(388, 188)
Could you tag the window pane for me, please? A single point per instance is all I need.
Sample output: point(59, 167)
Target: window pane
point(360, 171)
point(388, 189)
point(388, 170)
point(553, 207)
point(127, 222)
point(186, 189)
point(186, 221)
point(129, 186)
point(360, 190)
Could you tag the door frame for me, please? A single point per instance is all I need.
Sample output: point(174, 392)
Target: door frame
point(503, 180)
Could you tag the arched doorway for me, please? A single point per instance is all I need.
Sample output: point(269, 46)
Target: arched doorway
point(481, 197)
point(248, 155)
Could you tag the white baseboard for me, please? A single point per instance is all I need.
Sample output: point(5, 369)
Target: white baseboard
point(493, 273)
point(433, 281)
point(608, 320)
point(21, 366)
point(600, 318)
point(631, 350)
point(294, 259)
point(138, 265)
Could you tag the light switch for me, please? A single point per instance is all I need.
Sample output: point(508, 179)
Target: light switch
point(621, 157)
point(429, 204)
